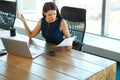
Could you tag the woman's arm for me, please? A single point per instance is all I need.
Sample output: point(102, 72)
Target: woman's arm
point(35, 31)
point(65, 30)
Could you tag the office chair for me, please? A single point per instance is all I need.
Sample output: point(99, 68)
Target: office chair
point(7, 18)
point(76, 20)
point(7, 14)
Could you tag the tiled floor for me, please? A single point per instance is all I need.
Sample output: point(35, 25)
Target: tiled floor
point(118, 71)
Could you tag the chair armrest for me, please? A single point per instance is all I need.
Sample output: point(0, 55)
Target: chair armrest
point(77, 45)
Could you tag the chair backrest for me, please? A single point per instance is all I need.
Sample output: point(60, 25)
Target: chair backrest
point(7, 14)
point(76, 19)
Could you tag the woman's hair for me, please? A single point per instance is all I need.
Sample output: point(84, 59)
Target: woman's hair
point(50, 6)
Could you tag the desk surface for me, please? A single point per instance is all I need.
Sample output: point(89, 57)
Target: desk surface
point(66, 65)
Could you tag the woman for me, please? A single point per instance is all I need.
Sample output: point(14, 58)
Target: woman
point(53, 27)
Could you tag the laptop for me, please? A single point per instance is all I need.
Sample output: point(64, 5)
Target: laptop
point(21, 48)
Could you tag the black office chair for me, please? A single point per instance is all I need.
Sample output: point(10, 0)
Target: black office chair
point(76, 19)
point(7, 14)
point(7, 18)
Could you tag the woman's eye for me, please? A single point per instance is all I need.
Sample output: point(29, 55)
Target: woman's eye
point(49, 14)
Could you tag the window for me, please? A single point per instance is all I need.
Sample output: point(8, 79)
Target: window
point(114, 19)
point(96, 22)
point(94, 11)
point(31, 9)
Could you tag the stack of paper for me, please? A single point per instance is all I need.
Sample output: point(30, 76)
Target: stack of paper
point(66, 42)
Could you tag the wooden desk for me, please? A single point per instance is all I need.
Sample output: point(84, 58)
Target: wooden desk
point(66, 65)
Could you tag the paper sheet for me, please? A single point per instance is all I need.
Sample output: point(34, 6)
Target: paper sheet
point(66, 42)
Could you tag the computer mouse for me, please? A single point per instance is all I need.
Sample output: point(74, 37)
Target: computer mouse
point(51, 53)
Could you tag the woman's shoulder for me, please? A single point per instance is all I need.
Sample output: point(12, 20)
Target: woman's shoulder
point(41, 19)
point(63, 21)
point(64, 24)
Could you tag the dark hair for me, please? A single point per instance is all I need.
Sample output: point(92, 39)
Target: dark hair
point(50, 6)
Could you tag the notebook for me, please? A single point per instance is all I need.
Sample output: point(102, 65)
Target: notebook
point(21, 48)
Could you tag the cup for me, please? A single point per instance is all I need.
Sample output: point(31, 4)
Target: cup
point(12, 32)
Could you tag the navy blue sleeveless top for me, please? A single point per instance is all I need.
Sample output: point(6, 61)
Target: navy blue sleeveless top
point(51, 31)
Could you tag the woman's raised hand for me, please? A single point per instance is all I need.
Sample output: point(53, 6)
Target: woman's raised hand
point(20, 16)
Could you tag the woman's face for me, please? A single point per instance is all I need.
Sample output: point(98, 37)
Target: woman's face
point(50, 15)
